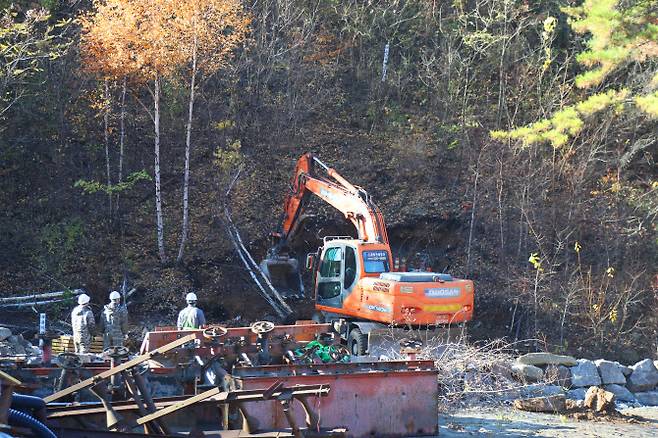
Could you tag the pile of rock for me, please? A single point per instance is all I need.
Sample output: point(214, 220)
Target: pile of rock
point(15, 346)
point(564, 374)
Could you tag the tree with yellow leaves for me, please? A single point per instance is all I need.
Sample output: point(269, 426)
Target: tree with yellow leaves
point(132, 39)
point(620, 35)
point(208, 31)
point(148, 41)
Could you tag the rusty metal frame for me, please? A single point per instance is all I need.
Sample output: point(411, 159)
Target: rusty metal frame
point(277, 391)
point(300, 332)
point(249, 395)
point(396, 398)
point(123, 367)
point(216, 395)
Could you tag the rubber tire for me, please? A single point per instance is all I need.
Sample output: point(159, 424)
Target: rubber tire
point(357, 342)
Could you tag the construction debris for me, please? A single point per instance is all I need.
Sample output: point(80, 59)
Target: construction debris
point(15, 347)
point(261, 380)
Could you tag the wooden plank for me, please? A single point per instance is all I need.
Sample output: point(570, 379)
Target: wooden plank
point(4, 377)
point(179, 405)
point(124, 366)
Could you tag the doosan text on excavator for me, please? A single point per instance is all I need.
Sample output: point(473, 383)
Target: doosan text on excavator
point(355, 284)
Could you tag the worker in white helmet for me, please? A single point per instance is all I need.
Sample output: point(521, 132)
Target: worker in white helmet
point(114, 322)
point(190, 317)
point(84, 324)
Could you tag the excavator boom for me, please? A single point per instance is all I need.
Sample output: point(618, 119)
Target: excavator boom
point(353, 201)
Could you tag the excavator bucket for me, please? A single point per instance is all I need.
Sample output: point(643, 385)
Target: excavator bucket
point(284, 274)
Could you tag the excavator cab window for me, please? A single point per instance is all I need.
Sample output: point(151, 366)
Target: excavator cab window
point(329, 285)
point(331, 264)
point(375, 261)
point(350, 267)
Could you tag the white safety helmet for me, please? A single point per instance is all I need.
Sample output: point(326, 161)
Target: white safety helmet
point(190, 297)
point(115, 295)
point(83, 299)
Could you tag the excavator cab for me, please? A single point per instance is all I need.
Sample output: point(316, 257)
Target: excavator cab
point(342, 263)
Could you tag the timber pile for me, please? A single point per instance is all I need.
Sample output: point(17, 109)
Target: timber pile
point(64, 344)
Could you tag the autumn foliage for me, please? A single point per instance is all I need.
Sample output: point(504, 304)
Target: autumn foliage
point(142, 39)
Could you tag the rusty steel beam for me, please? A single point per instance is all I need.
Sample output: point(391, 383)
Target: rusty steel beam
point(251, 395)
point(333, 368)
point(218, 396)
point(124, 366)
point(69, 432)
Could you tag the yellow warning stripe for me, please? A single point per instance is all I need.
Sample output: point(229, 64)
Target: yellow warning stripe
point(451, 308)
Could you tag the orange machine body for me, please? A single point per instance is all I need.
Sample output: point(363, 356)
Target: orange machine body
point(354, 280)
point(378, 294)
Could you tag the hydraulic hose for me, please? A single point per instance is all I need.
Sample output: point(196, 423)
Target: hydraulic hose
point(34, 406)
point(21, 419)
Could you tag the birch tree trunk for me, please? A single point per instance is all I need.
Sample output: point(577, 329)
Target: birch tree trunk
point(158, 197)
point(186, 178)
point(106, 132)
point(122, 137)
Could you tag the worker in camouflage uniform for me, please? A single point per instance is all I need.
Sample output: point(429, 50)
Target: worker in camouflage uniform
point(84, 325)
point(114, 322)
point(190, 317)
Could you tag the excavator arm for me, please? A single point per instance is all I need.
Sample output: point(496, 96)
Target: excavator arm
point(354, 202)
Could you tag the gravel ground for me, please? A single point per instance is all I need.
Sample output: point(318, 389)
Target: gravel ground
point(508, 422)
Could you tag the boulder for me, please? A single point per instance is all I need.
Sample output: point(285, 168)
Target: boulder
point(559, 375)
point(620, 392)
point(599, 400)
point(585, 374)
point(541, 390)
point(539, 359)
point(577, 394)
point(554, 403)
point(644, 376)
point(5, 350)
point(472, 379)
point(527, 372)
point(502, 369)
point(4, 333)
point(649, 398)
point(626, 371)
point(610, 372)
point(508, 394)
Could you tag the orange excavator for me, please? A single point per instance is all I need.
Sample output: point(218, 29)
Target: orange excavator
point(355, 285)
